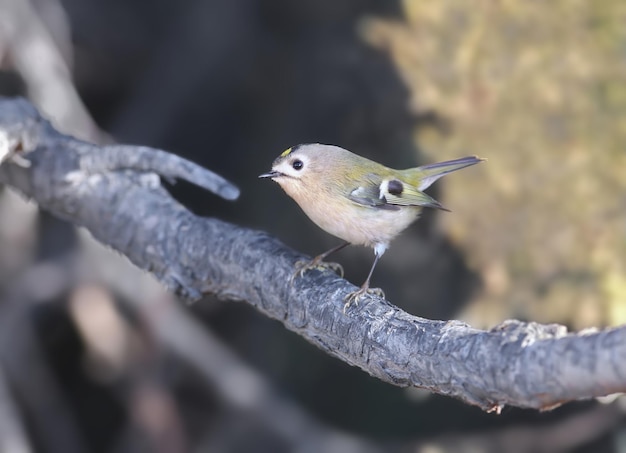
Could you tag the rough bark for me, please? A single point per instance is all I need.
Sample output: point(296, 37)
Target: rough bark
point(115, 193)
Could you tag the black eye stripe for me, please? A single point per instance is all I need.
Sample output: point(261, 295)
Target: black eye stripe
point(297, 164)
point(395, 187)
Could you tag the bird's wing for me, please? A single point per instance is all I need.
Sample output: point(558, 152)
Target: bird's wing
point(368, 197)
point(410, 196)
point(390, 193)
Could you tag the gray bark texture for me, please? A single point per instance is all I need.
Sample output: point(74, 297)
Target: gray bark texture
point(115, 193)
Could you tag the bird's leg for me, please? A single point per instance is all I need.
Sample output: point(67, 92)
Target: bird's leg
point(353, 298)
point(319, 263)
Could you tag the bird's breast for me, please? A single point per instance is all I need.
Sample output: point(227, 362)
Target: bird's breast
point(359, 224)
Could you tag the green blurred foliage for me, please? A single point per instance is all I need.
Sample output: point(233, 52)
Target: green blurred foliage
point(539, 89)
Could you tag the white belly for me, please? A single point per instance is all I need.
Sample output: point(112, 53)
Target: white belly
point(360, 225)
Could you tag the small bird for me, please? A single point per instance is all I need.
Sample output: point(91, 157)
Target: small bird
point(356, 199)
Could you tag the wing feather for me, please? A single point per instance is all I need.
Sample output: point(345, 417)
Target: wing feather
point(375, 193)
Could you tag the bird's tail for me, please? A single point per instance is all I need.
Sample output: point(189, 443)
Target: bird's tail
point(422, 177)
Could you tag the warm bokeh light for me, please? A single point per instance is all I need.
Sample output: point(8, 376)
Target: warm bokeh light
point(538, 89)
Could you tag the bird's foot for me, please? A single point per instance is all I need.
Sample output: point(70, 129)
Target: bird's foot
point(316, 263)
point(356, 296)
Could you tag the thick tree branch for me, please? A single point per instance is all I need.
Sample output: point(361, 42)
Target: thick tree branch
point(123, 205)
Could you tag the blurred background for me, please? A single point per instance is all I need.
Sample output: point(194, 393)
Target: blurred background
point(95, 357)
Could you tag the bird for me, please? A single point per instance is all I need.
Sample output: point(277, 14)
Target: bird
point(356, 199)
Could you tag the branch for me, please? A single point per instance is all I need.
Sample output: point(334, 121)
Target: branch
point(244, 390)
point(124, 206)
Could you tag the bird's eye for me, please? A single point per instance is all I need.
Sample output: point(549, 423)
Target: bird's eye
point(297, 164)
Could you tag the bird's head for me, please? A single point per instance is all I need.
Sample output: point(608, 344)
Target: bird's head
point(307, 168)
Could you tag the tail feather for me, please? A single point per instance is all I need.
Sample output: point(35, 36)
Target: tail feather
point(425, 175)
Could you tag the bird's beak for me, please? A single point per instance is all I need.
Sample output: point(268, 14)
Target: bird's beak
point(271, 174)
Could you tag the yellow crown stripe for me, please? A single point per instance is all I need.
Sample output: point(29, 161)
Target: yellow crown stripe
point(286, 152)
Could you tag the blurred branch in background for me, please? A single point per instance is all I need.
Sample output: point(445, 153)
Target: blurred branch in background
point(21, 355)
point(561, 436)
point(13, 437)
point(44, 64)
point(119, 200)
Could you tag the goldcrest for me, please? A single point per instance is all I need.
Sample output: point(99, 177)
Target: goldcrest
point(356, 199)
